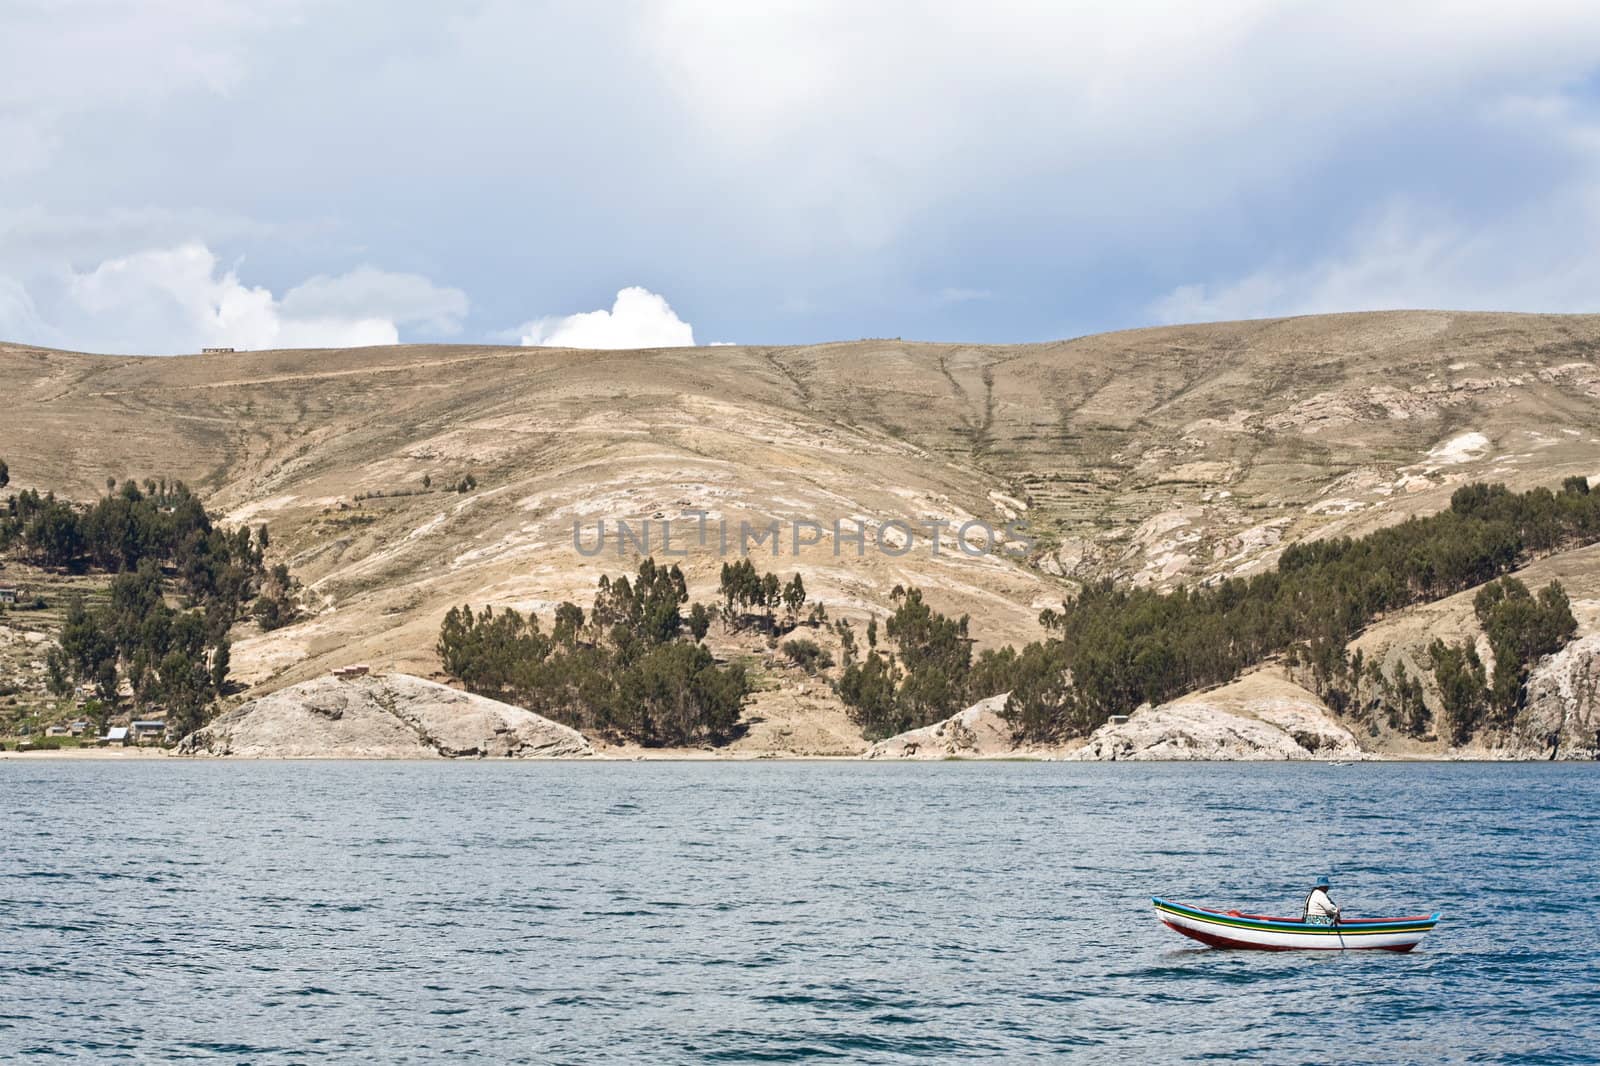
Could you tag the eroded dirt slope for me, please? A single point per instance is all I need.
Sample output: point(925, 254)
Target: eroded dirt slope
point(1164, 455)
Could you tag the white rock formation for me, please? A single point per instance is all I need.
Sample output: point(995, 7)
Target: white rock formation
point(1564, 699)
point(975, 732)
point(1260, 716)
point(384, 716)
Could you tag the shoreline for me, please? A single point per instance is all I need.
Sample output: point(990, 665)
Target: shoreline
point(685, 755)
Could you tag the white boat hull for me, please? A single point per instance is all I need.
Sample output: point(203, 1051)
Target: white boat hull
point(1232, 929)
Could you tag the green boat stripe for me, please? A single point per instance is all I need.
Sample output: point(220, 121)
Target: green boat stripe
point(1230, 922)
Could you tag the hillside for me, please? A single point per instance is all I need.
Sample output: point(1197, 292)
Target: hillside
point(1158, 456)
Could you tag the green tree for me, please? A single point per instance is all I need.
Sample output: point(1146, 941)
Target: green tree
point(54, 535)
point(699, 621)
point(568, 624)
point(847, 642)
point(275, 607)
point(1521, 628)
point(57, 673)
point(868, 689)
point(1463, 688)
point(89, 647)
point(220, 661)
point(186, 691)
point(794, 596)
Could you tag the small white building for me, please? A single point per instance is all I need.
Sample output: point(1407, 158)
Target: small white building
point(117, 734)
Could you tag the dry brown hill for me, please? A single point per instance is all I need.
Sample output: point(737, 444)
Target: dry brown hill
point(1160, 455)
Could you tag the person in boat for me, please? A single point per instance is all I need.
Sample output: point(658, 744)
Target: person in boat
point(1320, 908)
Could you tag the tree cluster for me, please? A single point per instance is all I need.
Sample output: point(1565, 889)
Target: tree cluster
point(1463, 688)
point(1521, 628)
point(748, 594)
point(927, 677)
point(149, 537)
point(632, 670)
point(162, 521)
point(1112, 649)
point(176, 659)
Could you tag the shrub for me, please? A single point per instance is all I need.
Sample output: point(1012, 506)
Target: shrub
point(807, 654)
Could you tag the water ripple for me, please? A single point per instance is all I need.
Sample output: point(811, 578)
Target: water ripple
point(665, 913)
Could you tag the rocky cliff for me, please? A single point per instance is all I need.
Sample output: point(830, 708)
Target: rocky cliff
point(1563, 702)
point(390, 716)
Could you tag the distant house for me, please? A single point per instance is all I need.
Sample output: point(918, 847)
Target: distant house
point(58, 731)
point(345, 673)
point(80, 727)
point(117, 734)
point(143, 732)
point(9, 593)
point(1118, 719)
point(215, 351)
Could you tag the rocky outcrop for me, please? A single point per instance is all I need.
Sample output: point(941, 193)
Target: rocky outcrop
point(1261, 716)
point(1563, 701)
point(975, 733)
point(386, 716)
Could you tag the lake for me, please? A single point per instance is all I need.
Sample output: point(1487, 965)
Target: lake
point(773, 912)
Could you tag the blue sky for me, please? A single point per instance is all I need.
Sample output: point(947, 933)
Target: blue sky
point(298, 173)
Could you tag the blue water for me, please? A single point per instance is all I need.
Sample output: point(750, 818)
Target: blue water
point(773, 912)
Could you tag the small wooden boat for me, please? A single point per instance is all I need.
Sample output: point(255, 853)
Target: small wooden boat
point(1261, 932)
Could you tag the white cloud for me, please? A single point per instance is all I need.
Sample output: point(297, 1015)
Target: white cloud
point(638, 319)
point(179, 300)
point(405, 299)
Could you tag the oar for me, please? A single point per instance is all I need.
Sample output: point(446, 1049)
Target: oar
point(1338, 934)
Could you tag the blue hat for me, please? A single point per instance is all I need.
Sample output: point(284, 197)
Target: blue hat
point(1322, 882)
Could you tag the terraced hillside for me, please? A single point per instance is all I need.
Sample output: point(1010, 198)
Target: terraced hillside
point(1163, 456)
